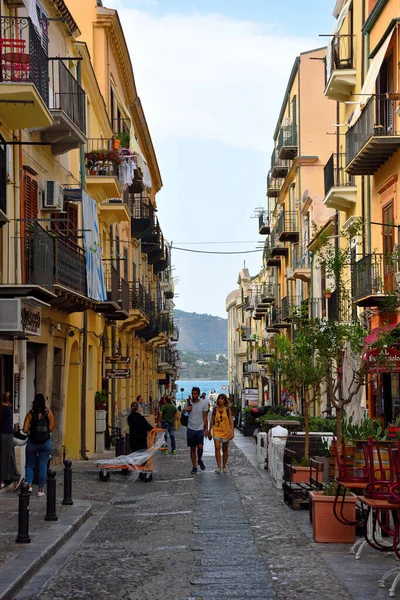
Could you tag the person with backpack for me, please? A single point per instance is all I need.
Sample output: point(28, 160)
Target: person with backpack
point(197, 427)
point(222, 430)
point(38, 425)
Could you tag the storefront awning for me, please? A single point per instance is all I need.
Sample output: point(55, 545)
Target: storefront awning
point(368, 89)
point(373, 336)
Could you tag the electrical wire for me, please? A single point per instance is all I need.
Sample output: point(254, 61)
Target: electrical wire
point(210, 252)
point(219, 242)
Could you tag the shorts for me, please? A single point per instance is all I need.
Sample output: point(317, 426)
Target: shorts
point(195, 438)
point(223, 440)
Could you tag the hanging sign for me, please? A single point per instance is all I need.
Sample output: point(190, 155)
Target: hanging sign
point(126, 360)
point(118, 373)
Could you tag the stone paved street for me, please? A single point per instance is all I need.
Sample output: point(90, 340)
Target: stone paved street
point(200, 537)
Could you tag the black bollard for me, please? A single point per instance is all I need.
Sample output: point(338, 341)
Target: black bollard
point(51, 514)
point(67, 483)
point(119, 446)
point(23, 516)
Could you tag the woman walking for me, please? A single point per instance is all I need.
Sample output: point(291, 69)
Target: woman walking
point(222, 430)
point(38, 424)
point(8, 465)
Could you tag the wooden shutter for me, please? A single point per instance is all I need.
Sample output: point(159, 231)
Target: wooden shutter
point(31, 196)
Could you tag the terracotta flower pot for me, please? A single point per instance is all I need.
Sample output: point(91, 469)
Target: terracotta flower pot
point(116, 144)
point(302, 474)
point(326, 528)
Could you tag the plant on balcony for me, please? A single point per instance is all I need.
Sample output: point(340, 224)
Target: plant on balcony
point(124, 139)
point(114, 156)
point(94, 159)
point(101, 399)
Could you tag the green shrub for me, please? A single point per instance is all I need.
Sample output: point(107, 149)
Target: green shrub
point(322, 424)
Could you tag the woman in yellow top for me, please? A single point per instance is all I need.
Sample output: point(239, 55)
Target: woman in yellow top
point(223, 430)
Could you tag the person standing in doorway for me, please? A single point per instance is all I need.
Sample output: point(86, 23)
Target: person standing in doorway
point(8, 465)
point(222, 429)
point(38, 424)
point(167, 416)
point(197, 427)
point(138, 428)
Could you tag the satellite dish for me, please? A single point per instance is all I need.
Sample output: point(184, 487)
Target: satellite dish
point(304, 197)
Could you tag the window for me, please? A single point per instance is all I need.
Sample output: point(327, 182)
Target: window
point(31, 196)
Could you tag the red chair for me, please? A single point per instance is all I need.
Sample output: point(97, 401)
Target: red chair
point(14, 60)
point(349, 477)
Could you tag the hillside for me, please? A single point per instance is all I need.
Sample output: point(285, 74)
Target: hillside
point(201, 334)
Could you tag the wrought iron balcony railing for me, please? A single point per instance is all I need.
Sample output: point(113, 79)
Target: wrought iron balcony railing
point(279, 166)
point(101, 158)
point(263, 223)
point(287, 142)
point(139, 299)
point(341, 54)
point(273, 186)
point(334, 173)
point(373, 276)
point(294, 306)
point(287, 227)
point(301, 256)
point(66, 93)
point(117, 288)
point(23, 54)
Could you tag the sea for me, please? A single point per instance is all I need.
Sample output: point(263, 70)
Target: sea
point(205, 386)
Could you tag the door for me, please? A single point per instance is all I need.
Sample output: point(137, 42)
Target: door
point(388, 247)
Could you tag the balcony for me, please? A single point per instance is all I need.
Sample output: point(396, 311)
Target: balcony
point(114, 210)
point(372, 139)
point(288, 228)
point(67, 107)
point(278, 247)
point(141, 307)
point(116, 307)
point(245, 334)
point(279, 167)
point(267, 293)
point(340, 187)
point(102, 163)
point(277, 321)
point(287, 142)
point(142, 215)
point(301, 262)
point(339, 309)
point(163, 262)
point(158, 330)
point(263, 225)
point(270, 261)
point(294, 306)
point(340, 68)
point(373, 279)
point(24, 75)
point(273, 186)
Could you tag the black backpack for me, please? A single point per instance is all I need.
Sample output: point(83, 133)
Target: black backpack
point(185, 417)
point(39, 431)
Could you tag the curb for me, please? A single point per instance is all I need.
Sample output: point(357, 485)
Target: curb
point(15, 574)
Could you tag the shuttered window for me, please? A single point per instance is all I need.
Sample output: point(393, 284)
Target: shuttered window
point(31, 196)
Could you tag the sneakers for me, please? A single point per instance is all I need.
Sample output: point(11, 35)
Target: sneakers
point(2, 485)
point(218, 471)
point(201, 465)
point(225, 470)
point(30, 489)
point(41, 494)
point(173, 452)
point(194, 470)
point(164, 450)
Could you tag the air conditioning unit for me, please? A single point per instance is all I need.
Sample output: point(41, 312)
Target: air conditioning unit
point(53, 197)
point(289, 273)
point(397, 279)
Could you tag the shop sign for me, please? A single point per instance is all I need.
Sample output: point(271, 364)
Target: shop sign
point(118, 358)
point(118, 373)
point(31, 319)
point(383, 362)
point(21, 317)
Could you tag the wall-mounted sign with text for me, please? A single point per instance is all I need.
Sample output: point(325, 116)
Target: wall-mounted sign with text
point(118, 373)
point(118, 358)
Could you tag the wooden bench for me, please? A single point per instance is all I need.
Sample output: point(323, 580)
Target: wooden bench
point(293, 493)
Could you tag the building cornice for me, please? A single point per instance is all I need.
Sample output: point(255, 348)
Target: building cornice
point(140, 125)
point(69, 20)
point(286, 96)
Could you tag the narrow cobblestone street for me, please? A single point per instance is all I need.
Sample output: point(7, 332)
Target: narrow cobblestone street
point(200, 537)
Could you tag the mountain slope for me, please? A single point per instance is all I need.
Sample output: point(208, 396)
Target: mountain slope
point(201, 334)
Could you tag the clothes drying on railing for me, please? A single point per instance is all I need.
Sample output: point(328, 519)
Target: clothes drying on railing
point(127, 167)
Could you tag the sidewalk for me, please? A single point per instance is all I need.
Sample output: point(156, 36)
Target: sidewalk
point(18, 562)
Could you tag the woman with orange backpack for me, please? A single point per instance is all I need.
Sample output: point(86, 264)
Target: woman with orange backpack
point(222, 430)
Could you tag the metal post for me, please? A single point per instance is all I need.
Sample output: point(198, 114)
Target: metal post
point(23, 516)
point(51, 497)
point(67, 483)
point(119, 444)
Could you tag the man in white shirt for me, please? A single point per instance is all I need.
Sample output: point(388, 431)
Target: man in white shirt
point(197, 427)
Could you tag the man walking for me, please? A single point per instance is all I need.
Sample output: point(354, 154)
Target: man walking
point(167, 416)
point(197, 427)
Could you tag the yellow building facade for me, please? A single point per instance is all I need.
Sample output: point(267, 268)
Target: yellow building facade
point(86, 293)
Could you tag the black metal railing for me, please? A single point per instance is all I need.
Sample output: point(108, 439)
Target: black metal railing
point(275, 241)
point(374, 275)
point(101, 158)
point(51, 260)
point(287, 137)
point(276, 315)
point(23, 54)
point(334, 173)
point(294, 306)
point(245, 333)
point(66, 93)
point(117, 288)
point(266, 291)
point(339, 307)
point(140, 207)
point(341, 55)
point(376, 119)
point(301, 256)
point(287, 222)
point(278, 163)
point(140, 299)
point(262, 220)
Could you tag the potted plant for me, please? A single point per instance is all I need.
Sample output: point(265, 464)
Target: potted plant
point(301, 473)
point(124, 139)
point(91, 162)
point(328, 293)
point(249, 422)
point(94, 161)
point(326, 528)
point(116, 143)
point(101, 400)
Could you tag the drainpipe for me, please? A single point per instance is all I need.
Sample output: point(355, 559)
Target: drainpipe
point(84, 381)
point(368, 215)
point(113, 351)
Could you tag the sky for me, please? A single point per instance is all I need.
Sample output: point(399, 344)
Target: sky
point(211, 75)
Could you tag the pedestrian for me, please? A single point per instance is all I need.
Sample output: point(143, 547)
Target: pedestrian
point(222, 429)
point(197, 427)
point(203, 397)
point(8, 464)
point(168, 415)
point(138, 428)
point(38, 425)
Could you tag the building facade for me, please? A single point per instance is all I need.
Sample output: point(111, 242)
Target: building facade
point(86, 293)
